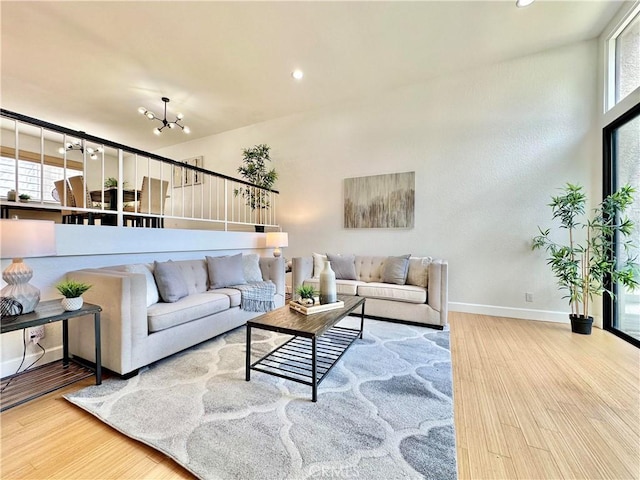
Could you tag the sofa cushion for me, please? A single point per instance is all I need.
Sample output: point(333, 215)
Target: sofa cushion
point(152, 289)
point(418, 273)
point(343, 287)
point(318, 263)
point(195, 274)
point(166, 315)
point(388, 291)
point(395, 270)
point(225, 271)
point(344, 266)
point(233, 294)
point(369, 269)
point(170, 281)
point(251, 268)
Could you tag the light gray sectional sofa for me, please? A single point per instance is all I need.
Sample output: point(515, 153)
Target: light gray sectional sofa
point(138, 328)
point(421, 296)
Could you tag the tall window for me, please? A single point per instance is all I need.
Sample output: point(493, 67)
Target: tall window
point(622, 166)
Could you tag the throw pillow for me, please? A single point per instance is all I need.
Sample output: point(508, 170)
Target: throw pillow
point(318, 263)
point(152, 288)
point(171, 284)
point(395, 270)
point(225, 271)
point(344, 266)
point(251, 268)
point(419, 271)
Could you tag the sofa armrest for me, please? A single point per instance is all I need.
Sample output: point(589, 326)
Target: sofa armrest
point(273, 269)
point(438, 288)
point(123, 325)
point(301, 270)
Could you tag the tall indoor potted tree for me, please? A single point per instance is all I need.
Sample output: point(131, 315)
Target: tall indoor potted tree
point(254, 170)
point(584, 264)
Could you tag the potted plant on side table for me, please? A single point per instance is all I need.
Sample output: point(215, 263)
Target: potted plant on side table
point(584, 264)
point(72, 292)
point(254, 170)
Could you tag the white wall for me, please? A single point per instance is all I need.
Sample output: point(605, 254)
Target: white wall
point(489, 147)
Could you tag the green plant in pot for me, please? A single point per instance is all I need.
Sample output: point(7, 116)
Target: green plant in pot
point(24, 197)
point(72, 292)
point(583, 265)
point(254, 170)
point(306, 295)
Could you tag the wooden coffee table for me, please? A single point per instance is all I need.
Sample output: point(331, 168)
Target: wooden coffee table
point(317, 345)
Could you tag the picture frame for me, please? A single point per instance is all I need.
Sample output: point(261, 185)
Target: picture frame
point(184, 177)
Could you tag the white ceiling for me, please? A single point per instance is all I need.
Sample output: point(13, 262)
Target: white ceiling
point(89, 65)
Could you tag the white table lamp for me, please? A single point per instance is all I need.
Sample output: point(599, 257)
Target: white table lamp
point(22, 239)
point(276, 240)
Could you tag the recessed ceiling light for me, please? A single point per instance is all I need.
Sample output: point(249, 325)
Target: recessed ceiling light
point(523, 3)
point(297, 74)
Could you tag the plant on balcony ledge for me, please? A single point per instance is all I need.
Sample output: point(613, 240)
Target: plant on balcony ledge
point(254, 170)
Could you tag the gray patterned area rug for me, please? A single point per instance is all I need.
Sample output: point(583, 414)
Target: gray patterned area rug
point(385, 411)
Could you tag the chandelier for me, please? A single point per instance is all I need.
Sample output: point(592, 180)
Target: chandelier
point(77, 145)
point(152, 116)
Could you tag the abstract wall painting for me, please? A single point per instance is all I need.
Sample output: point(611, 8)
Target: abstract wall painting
point(380, 201)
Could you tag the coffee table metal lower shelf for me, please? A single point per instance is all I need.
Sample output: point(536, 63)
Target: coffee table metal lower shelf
point(294, 359)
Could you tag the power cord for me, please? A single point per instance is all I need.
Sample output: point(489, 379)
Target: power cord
point(24, 355)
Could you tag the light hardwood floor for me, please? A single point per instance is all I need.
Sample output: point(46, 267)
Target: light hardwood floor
point(531, 400)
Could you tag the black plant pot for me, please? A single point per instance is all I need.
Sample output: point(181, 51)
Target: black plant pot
point(259, 228)
point(581, 324)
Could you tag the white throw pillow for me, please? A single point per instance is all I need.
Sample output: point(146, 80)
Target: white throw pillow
point(251, 268)
point(418, 271)
point(152, 288)
point(318, 263)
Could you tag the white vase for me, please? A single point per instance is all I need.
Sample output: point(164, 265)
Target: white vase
point(328, 284)
point(71, 304)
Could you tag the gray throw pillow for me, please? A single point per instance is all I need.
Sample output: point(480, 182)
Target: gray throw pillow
point(225, 271)
point(171, 284)
point(344, 266)
point(395, 270)
point(251, 268)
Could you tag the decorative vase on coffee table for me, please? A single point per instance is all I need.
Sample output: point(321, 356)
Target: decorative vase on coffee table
point(327, 284)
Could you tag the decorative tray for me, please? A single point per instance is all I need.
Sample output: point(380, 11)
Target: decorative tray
point(315, 308)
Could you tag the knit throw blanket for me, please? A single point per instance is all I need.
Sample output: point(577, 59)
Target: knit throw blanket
point(257, 296)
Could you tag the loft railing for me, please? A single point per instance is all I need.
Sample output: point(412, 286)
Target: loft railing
point(110, 183)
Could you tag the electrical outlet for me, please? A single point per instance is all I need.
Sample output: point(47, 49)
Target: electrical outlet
point(36, 334)
point(528, 297)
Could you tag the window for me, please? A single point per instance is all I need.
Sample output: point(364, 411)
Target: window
point(622, 166)
point(628, 59)
point(29, 173)
point(624, 59)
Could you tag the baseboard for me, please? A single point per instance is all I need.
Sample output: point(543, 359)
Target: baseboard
point(10, 366)
point(521, 313)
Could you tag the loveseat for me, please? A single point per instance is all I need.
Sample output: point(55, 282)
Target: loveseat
point(140, 326)
point(404, 288)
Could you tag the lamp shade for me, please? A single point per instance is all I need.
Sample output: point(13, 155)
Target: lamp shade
point(277, 239)
point(27, 238)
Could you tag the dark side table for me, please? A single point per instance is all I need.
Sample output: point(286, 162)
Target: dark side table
point(33, 383)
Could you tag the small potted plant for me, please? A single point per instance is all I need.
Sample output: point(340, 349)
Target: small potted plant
point(306, 295)
point(111, 182)
point(254, 170)
point(72, 292)
point(583, 266)
point(24, 197)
